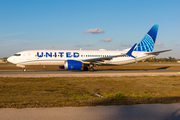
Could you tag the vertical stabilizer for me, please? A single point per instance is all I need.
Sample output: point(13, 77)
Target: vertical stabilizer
point(147, 43)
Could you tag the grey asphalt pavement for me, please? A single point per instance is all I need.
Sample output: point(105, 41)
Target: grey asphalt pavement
point(124, 112)
point(77, 73)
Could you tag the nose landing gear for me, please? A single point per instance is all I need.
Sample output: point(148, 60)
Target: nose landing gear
point(22, 66)
point(24, 69)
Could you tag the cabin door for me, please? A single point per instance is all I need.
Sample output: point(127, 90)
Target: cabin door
point(28, 56)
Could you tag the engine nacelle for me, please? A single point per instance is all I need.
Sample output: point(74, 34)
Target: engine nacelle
point(72, 65)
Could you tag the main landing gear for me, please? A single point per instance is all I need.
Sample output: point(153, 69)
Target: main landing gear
point(86, 68)
point(91, 69)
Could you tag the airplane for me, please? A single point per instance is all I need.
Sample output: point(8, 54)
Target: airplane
point(88, 59)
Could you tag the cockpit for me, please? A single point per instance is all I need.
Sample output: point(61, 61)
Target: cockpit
point(17, 54)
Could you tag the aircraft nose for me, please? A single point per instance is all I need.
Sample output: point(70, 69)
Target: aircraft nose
point(10, 59)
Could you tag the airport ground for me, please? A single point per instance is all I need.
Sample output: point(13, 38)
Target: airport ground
point(135, 66)
point(138, 83)
point(137, 69)
point(81, 91)
point(147, 89)
point(123, 112)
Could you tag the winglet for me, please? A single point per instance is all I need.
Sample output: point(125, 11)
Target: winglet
point(129, 53)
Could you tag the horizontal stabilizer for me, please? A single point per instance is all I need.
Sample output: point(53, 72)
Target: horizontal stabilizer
point(156, 53)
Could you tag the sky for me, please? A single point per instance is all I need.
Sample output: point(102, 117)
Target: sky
point(87, 25)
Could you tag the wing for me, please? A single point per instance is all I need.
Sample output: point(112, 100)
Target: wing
point(101, 59)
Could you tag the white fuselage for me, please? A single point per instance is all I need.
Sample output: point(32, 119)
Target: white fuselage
point(58, 57)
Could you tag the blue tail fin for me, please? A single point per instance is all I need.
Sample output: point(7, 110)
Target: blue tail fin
point(147, 43)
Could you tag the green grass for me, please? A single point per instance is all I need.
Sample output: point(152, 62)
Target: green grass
point(58, 92)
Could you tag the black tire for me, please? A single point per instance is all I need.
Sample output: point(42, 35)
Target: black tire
point(85, 68)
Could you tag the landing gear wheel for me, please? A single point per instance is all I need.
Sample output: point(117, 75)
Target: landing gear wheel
point(91, 69)
point(24, 70)
point(85, 68)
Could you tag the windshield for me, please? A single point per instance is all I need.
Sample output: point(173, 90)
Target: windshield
point(17, 54)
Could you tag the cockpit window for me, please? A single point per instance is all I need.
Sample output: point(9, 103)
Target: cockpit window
point(17, 54)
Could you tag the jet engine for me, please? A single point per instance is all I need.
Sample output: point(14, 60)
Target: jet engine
point(72, 65)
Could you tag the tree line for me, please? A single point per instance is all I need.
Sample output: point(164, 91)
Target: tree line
point(170, 59)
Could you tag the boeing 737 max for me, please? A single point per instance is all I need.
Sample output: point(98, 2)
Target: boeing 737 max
point(87, 59)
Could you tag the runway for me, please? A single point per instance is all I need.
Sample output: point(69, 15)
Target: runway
point(124, 112)
point(96, 73)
